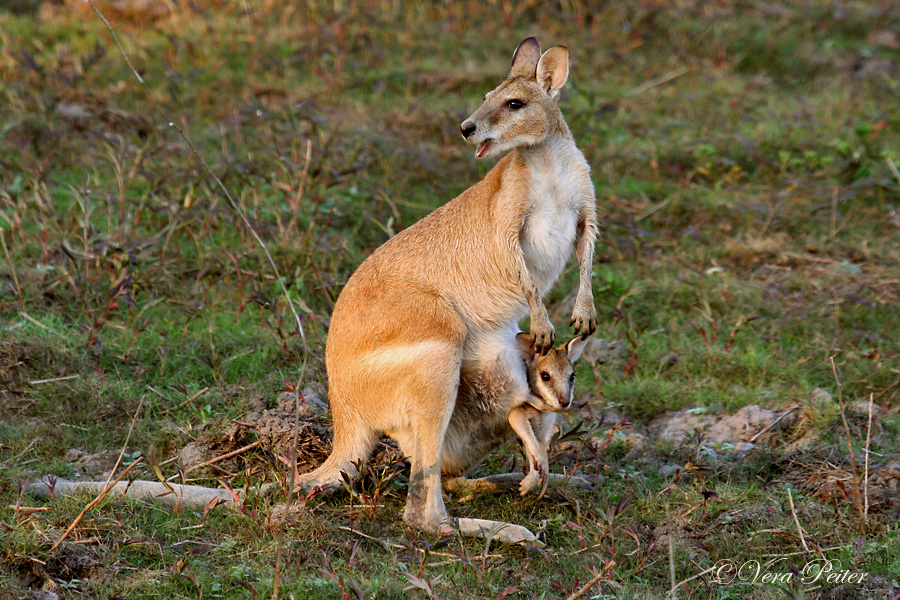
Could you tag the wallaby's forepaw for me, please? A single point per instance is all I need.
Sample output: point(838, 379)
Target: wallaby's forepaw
point(542, 334)
point(584, 317)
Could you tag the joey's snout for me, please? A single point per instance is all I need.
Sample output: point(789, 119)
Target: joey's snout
point(467, 128)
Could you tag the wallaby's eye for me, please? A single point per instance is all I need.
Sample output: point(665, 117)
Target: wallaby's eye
point(545, 376)
point(571, 377)
point(514, 104)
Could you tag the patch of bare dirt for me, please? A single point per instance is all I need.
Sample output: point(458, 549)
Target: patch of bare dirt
point(40, 581)
point(275, 430)
point(830, 483)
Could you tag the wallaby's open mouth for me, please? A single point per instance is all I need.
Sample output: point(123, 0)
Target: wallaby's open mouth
point(482, 148)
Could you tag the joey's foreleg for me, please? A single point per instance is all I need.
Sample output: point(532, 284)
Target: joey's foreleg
point(535, 453)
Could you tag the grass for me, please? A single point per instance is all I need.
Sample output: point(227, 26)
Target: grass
point(750, 216)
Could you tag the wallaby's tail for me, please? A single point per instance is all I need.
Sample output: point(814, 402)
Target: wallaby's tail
point(353, 442)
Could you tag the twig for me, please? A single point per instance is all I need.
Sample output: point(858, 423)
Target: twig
point(386, 545)
point(786, 554)
point(671, 545)
point(213, 461)
point(12, 269)
point(12, 460)
point(773, 423)
point(53, 379)
point(289, 496)
point(302, 185)
point(29, 509)
point(212, 174)
point(584, 589)
point(655, 82)
point(859, 506)
point(796, 520)
point(127, 438)
point(866, 468)
point(185, 403)
point(34, 321)
point(701, 574)
point(893, 168)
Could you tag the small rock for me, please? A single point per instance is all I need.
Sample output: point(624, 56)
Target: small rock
point(287, 404)
point(884, 38)
point(75, 113)
point(680, 426)
point(709, 454)
point(860, 408)
point(820, 398)
point(742, 426)
point(285, 515)
point(742, 449)
point(600, 352)
point(191, 455)
point(315, 395)
point(670, 470)
point(636, 440)
point(73, 454)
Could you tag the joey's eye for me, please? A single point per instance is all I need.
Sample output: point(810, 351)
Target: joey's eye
point(572, 377)
point(514, 104)
point(545, 376)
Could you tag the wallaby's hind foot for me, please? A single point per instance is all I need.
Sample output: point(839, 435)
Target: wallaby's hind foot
point(499, 531)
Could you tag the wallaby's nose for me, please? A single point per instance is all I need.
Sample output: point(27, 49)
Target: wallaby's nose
point(467, 128)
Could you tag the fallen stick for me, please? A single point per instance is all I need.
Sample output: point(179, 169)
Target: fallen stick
point(184, 496)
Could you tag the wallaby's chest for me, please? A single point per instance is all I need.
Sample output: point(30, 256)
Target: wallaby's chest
point(550, 224)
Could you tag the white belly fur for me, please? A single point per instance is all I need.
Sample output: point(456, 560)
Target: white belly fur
point(548, 234)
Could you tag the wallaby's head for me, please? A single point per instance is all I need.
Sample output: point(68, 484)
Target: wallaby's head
point(523, 109)
point(551, 376)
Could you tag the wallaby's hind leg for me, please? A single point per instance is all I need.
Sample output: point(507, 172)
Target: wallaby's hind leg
point(353, 442)
point(422, 439)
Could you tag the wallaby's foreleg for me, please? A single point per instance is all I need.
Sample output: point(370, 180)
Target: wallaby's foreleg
point(584, 314)
point(542, 330)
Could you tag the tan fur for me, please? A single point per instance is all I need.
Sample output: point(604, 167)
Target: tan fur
point(443, 298)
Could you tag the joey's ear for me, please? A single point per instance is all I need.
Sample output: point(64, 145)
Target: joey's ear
point(553, 70)
point(525, 58)
point(575, 346)
point(525, 344)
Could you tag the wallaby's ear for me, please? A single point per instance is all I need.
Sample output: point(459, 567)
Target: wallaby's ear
point(575, 346)
point(526, 344)
point(525, 58)
point(553, 70)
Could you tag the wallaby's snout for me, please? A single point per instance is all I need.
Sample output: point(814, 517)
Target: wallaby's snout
point(467, 128)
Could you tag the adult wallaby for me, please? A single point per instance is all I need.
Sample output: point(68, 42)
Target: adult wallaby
point(446, 294)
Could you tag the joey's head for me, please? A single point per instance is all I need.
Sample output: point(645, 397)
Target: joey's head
point(551, 377)
point(523, 110)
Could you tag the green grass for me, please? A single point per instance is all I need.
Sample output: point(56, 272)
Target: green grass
point(750, 218)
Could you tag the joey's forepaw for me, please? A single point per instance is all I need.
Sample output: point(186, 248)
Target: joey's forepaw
point(529, 483)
